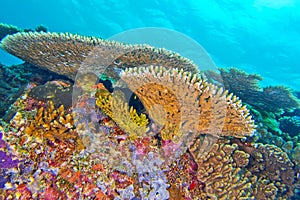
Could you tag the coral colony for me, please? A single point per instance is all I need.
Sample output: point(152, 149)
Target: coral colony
point(137, 122)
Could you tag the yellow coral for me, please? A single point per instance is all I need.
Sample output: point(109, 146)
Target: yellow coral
point(103, 101)
point(114, 106)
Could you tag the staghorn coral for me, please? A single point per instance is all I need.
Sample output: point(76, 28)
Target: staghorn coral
point(114, 106)
point(180, 102)
point(51, 124)
point(65, 53)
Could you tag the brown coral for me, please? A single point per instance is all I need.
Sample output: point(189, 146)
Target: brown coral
point(59, 92)
point(65, 53)
point(269, 162)
point(241, 158)
point(189, 103)
point(222, 178)
point(232, 170)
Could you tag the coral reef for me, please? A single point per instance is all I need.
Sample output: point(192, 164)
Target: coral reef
point(65, 53)
point(169, 149)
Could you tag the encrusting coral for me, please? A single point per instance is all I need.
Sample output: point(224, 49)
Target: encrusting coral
point(65, 53)
point(189, 103)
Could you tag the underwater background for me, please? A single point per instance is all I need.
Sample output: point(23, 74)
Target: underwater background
point(150, 124)
point(259, 36)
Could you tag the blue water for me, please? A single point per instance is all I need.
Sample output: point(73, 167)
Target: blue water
point(258, 36)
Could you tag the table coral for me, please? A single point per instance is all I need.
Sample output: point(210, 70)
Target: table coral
point(63, 53)
point(190, 104)
point(6, 29)
point(290, 125)
point(246, 86)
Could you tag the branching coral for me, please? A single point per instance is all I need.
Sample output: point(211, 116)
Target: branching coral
point(65, 53)
point(51, 124)
point(187, 103)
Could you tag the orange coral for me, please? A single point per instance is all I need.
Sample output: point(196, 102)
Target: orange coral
point(52, 124)
point(187, 104)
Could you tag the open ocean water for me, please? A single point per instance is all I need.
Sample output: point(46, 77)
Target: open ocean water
point(251, 48)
